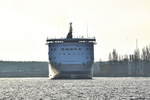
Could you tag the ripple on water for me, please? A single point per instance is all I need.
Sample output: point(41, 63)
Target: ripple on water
point(95, 89)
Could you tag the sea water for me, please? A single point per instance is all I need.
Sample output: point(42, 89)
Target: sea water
point(98, 88)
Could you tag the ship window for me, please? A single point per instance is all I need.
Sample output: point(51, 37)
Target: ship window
point(79, 48)
point(66, 48)
point(62, 48)
point(68, 53)
point(63, 53)
point(71, 48)
point(75, 48)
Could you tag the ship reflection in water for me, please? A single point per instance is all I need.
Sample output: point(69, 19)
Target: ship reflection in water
point(71, 57)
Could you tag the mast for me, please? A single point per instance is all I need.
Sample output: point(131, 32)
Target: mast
point(69, 36)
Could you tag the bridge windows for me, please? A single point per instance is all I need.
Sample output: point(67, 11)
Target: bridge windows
point(69, 54)
point(71, 49)
point(53, 49)
point(75, 48)
point(66, 48)
point(79, 48)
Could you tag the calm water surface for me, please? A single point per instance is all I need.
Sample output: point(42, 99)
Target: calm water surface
point(95, 89)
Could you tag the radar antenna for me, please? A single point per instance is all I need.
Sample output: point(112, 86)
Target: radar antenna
point(69, 36)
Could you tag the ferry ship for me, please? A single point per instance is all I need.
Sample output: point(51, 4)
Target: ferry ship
point(71, 57)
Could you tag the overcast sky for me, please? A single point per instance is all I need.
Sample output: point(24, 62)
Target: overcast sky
point(25, 25)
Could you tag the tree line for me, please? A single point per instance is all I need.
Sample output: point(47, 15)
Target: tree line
point(143, 55)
